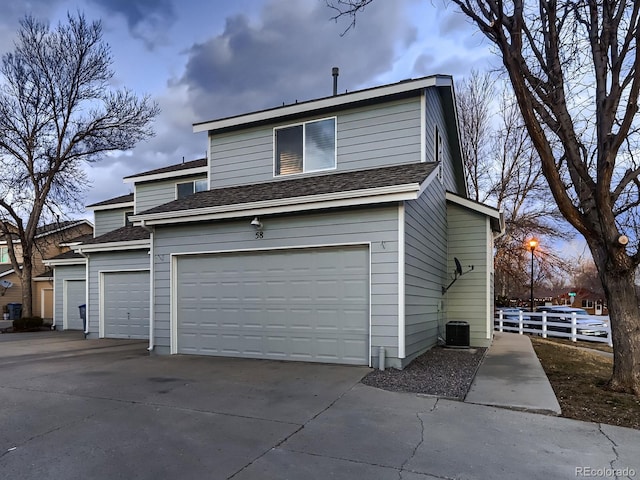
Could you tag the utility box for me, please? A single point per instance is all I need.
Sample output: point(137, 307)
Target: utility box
point(457, 334)
point(15, 311)
point(83, 316)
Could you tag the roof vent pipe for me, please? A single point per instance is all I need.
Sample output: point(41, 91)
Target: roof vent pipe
point(335, 71)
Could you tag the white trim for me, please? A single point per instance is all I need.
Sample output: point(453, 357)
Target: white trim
point(111, 246)
point(101, 321)
point(8, 272)
point(167, 175)
point(471, 205)
point(423, 127)
point(113, 206)
point(65, 261)
point(42, 302)
point(401, 283)
point(173, 303)
point(43, 279)
point(193, 182)
point(86, 296)
point(152, 274)
point(173, 280)
point(327, 102)
point(369, 196)
point(489, 272)
point(304, 147)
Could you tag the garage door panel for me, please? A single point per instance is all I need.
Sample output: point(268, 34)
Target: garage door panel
point(126, 304)
point(297, 305)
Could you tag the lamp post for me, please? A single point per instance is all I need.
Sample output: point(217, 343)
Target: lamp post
point(533, 243)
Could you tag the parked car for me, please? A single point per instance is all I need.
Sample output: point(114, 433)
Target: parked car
point(585, 325)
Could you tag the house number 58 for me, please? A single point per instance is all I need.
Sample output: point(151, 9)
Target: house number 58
point(259, 235)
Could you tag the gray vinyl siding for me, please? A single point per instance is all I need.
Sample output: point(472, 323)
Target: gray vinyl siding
point(377, 226)
point(60, 274)
point(435, 117)
point(152, 194)
point(367, 137)
point(425, 269)
point(470, 298)
point(109, 262)
point(108, 220)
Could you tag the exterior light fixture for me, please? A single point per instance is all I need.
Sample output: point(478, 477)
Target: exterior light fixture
point(532, 244)
point(256, 223)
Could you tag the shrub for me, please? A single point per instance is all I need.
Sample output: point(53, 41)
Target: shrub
point(28, 323)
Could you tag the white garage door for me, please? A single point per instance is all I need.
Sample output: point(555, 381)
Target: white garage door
point(126, 304)
point(304, 304)
point(74, 296)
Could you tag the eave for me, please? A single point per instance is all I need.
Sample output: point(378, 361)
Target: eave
point(354, 198)
point(112, 246)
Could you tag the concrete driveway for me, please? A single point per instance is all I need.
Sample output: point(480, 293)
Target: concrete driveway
point(104, 409)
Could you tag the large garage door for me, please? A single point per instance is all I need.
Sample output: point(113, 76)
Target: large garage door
point(126, 304)
point(74, 296)
point(306, 304)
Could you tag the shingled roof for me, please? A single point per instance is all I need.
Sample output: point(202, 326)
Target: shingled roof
point(298, 187)
point(114, 201)
point(201, 162)
point(122, 234)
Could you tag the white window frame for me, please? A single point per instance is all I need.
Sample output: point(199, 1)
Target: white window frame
point(2, 248)
point(193, 185)
point(304, 157)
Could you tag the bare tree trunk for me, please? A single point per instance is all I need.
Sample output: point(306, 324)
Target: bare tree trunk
point(26, 277)
point(618, 282)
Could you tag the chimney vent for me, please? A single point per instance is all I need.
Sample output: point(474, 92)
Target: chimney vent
point(335, 71)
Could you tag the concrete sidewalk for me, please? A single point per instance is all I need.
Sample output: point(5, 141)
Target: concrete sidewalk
point(511, 376)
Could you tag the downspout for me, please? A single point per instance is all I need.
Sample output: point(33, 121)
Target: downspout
point(53, 324)
point(151, 285)
point(86, 292)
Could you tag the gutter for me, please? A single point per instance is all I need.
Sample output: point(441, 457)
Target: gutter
point(152, 269)
point(86, 293)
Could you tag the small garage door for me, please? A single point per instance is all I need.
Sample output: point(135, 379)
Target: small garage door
point(126, 304)
point(304, 304)
point(74, 296)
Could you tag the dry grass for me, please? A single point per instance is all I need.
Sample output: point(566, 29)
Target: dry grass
point(579, 380)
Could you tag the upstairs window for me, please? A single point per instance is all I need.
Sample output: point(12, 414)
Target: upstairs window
point(127, 218)
point(306, 147)
point(189, 188)
point(4, 255)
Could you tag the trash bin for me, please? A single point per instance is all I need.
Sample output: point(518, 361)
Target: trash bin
point(15, 310)
point(83, 316)
point(457, 334)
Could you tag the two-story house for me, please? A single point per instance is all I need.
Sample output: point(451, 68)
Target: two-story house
point(325, 231)
point(51, 239)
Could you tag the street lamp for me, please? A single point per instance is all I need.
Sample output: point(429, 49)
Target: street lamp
point(533, 243)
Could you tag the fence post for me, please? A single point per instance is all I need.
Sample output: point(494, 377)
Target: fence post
point(520, 322)
point(574, 323)
point(544, 324)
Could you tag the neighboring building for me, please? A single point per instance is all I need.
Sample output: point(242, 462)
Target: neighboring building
point(323, 231)
point(51, 239)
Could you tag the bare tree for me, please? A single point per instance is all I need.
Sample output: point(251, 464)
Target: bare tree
point(502, 169)
point(574, 69)
point(58, 112)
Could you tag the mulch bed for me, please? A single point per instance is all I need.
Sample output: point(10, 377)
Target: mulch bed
point(443, 372)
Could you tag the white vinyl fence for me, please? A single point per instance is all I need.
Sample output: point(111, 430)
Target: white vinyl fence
point(591, 328)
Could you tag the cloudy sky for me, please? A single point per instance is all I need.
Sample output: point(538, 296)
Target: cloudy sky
point(206, 59)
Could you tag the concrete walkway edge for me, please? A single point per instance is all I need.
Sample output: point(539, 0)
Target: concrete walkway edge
point(511, 376)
